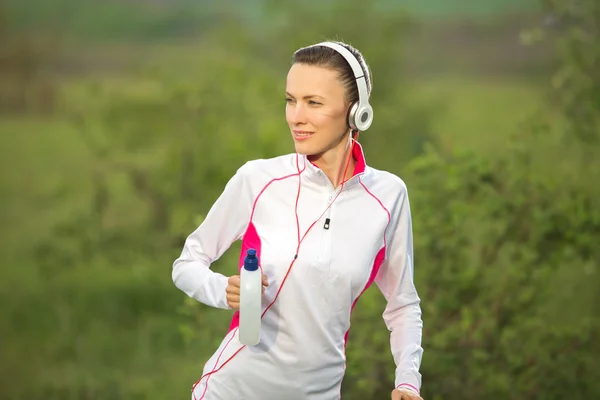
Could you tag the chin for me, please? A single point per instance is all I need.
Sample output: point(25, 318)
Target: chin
point(305, 150)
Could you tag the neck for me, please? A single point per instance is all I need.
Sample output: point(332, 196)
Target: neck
point(334, 162)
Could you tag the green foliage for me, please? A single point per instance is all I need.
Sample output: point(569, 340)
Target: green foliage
point(573, 26)
point(495, 242)
point(507, 247)
point(577, 80)
point(100, 196)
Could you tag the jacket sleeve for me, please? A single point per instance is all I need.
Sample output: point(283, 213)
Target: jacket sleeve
point(402, 314)
point(225, 223)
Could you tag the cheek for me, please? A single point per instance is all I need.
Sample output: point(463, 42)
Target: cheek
point(316, 118)
point(323, 119)
point(331, 122)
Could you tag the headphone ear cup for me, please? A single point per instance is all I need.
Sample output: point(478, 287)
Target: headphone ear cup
point(351, 116)
point(360, 118)
point(363, 117)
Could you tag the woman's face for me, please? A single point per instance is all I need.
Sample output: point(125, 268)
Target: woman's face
point(316, 109)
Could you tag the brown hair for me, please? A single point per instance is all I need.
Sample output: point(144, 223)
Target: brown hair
point(322, 56)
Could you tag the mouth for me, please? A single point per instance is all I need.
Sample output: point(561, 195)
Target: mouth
point(301, 135)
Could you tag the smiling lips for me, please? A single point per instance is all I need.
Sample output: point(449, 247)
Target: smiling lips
point(302, 135)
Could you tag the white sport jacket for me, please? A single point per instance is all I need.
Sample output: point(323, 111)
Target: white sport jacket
point(320, 247)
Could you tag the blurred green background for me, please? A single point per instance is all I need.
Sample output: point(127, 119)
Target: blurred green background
point(121, 121)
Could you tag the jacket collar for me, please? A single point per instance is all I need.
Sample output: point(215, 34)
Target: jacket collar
point(315, 174)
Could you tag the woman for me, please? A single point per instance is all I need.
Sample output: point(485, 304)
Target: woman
point(325, 227)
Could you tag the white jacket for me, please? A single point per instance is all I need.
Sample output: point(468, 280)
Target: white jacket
point(270, 204)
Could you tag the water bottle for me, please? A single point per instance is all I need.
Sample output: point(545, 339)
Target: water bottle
point(250, 300)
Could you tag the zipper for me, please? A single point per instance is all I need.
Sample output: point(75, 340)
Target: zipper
point(332, 194)
point(328, 212)
point(325, 237)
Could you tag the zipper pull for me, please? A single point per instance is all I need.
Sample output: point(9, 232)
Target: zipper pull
point(327, 221)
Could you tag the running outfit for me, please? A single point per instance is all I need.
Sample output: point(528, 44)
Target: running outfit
point(320, 248)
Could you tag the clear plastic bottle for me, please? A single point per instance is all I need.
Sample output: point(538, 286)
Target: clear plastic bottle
point(250, 300)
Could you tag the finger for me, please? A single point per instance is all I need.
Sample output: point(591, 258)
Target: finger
point(233, 297)
point(235, 306)
point(234, 280)
point(265, 280)
point(405, 395)
point(232, 290)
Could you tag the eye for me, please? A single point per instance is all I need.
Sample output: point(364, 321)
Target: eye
point(288, 100)
point(314, 103)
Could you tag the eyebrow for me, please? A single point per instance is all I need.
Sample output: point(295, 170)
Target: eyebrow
point(310, 96)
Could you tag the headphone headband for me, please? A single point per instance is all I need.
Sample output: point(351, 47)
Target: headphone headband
point(361, 114)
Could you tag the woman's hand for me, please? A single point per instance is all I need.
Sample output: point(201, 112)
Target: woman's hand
point(405, 394)
point(233, 290)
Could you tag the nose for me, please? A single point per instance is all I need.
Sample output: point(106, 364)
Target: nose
point(295, 114)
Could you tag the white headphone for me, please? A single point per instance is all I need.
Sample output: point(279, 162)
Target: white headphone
point(360, 116)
